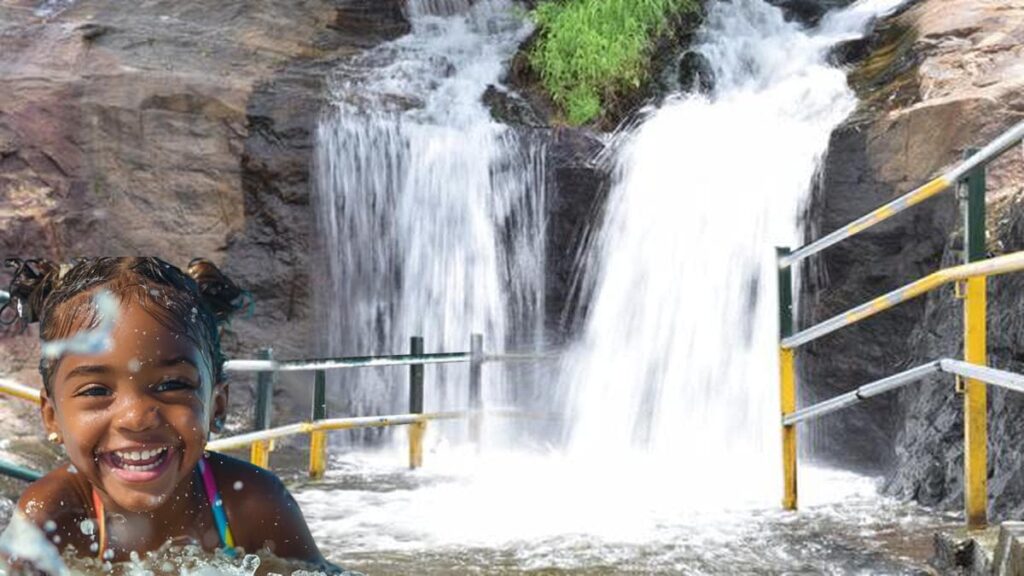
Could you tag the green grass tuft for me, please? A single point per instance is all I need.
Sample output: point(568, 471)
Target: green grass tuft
point(589, 50)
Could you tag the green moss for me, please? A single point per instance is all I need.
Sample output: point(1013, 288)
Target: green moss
point(589, 51)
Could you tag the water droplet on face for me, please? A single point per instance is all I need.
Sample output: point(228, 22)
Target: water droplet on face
point(50, 526)
point(134, 365)
point(167, 567)
point(72, 469)
point(238, 485)
point(108, 555)
point(56, 539)
point(94, 547)
point(88, 527)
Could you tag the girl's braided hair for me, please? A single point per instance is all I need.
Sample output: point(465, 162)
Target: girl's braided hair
point(59, 297)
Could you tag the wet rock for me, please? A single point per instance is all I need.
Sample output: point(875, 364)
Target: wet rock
point(371, 21)
point(578, 187)
point(696, 73)
point(510, 108)
point(850, 51)
point(808, 12)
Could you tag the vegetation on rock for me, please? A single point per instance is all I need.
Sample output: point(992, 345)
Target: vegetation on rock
point(591, 51)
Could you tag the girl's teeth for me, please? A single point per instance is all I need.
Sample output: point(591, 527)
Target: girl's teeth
point(141, 455)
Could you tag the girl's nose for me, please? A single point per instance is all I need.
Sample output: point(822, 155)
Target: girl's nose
point(137, 413)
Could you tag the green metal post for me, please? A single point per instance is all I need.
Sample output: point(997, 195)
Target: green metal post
point(416, 429)
point(318, 438)
point(476, 362)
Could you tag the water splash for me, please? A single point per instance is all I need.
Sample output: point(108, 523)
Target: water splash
point(94, 341)
point(24, 549)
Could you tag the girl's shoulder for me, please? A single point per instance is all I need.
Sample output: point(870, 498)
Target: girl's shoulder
point(60, 504)
point(261, 512)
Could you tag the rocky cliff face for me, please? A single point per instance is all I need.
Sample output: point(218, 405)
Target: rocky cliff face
point(936, 79)
point(177, 129)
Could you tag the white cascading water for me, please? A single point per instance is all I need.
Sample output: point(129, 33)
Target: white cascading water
point(429, 210)
point(677, 366)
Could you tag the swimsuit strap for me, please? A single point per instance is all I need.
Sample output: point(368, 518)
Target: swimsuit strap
point(212, 494)
point(217, 506)
point(101, 521)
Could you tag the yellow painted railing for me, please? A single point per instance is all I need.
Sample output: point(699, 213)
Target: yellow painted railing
point(970, 279)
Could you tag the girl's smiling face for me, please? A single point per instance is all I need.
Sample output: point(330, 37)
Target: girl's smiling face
point(135, 419)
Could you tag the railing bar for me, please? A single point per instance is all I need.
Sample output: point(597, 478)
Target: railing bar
point(991, 267)
point(329, 424)
point(351, 362)
point(512, 357)
point(5, 297)
point(880, 214)
point(861, 393)
point(19, 472)
point(1001, 144)
point(994, 376)
point(20, 391)
point(896, 381)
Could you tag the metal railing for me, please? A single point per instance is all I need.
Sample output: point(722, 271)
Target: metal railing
point(261, 440)
point(970, 280)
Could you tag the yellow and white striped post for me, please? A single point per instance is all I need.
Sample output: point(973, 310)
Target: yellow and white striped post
point(787, 382)
point(975, 396)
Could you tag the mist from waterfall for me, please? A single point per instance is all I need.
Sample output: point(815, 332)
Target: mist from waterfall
point(429, 211)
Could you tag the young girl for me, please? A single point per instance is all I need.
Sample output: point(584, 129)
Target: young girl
point(134, 416)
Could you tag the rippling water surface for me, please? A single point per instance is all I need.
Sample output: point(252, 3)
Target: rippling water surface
point(511, 514)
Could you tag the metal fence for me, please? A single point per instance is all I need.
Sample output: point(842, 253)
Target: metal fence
point(970, 281)
point(261, 440)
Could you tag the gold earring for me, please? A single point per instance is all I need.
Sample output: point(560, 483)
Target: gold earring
point(54, 437)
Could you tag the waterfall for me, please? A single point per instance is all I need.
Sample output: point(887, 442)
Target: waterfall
point(676, 370)
point(428, 210)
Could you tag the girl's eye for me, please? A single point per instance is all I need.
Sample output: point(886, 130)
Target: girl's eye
point(94, 390)
point(173, 385)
